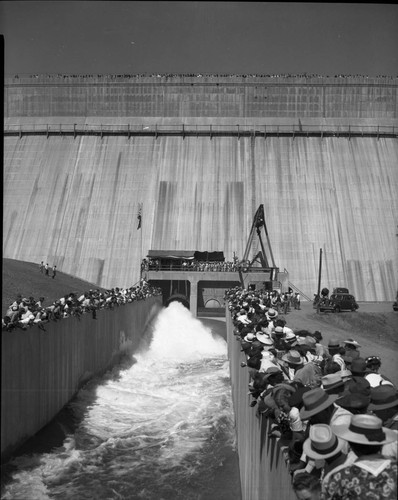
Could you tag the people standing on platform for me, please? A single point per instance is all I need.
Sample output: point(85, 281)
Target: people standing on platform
point(54, 272)
point(41, 267)
point(47, 269)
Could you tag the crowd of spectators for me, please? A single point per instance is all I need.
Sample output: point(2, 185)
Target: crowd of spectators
point(203, 75)
point(335, 414)
point(192, 265)
point(27, 311)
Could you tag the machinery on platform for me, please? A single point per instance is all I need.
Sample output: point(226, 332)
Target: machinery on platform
point(260, 261)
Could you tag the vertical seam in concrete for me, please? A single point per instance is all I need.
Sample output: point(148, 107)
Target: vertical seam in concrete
point(69, 190)
point(253, 174)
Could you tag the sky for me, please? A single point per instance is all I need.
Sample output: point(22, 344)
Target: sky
point(111, 37)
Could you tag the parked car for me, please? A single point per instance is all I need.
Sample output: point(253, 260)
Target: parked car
point(338, 302)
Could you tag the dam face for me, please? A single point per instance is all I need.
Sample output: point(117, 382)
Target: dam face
point(72, 199)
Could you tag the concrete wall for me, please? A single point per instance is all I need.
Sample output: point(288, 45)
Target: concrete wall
point(204, 96)
point(264, 472)
point(53, 365)
point(74, 202)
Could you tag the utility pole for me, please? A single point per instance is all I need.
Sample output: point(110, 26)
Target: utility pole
point(320, 272)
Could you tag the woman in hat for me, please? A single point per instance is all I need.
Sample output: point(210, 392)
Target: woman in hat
point(371, 475)
point(372, 375)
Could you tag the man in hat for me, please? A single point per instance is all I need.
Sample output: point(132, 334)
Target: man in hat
point(309, 374)
point(371, 475)
point(384, 404)
point(319, 408)
point(325, 448)
point(337, 352)
point(333, 383)
point(352, 352)
point(354, 402)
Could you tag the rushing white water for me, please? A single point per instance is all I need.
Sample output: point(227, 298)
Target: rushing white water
point(156, 430)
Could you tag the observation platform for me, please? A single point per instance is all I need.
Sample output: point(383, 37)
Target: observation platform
point(205, 289)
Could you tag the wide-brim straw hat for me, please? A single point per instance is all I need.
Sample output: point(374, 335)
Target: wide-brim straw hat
point(365, 429)
point(383, 397)
point(315, 401)
point(332, 380)
point(352, 342)
point(264, 338)
point(249, 337)
point(293, 358)
point(322, 442)
point(272, 314)
point(278, 331)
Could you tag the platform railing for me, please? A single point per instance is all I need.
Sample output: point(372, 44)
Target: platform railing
point(182, 129)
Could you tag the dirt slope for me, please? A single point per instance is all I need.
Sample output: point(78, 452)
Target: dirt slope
point(374, 326)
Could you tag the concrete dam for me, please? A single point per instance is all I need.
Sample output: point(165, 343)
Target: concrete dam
point(199, 155)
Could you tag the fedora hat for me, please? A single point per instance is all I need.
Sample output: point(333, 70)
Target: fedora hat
point(271, 313)
point(383, 397)
point(264, 338)
point(334, 343)
point(365, 429)
point(332, 380)
point(353, 401)
point(358, 385)
point(315, 401)
point(293, 358)
point(322, 442)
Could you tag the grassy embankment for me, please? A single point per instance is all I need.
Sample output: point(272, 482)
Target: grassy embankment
point(26, 279)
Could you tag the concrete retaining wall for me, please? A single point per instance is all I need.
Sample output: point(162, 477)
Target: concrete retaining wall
point(41, 371)
point(263, 471)
point(74, 202)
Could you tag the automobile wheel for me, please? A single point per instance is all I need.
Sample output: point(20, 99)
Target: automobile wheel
point(337, 309)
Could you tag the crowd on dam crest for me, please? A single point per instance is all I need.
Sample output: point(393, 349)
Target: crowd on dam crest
point(25, 312)
point(335, 415)
point(201, 75)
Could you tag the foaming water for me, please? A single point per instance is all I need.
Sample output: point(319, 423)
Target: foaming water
point(160, 429)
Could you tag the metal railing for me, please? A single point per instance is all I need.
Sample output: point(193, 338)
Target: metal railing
point(299, 130)
point(204, 269)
